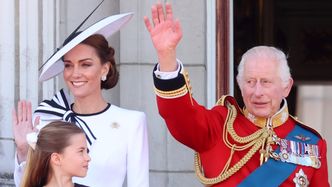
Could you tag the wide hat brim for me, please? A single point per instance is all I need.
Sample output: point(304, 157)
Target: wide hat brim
point(106, 27)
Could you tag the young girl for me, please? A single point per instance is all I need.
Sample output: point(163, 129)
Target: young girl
point(56, 154)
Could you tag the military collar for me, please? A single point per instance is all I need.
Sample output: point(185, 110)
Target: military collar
point(275, 121)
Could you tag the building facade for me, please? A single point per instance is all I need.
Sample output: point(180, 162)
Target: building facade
point(31, 30)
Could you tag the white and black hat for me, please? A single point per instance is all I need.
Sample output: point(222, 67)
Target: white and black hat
point(106, 27)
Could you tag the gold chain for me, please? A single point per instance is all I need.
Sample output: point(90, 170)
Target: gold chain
point(228, 128)
point(255, 141)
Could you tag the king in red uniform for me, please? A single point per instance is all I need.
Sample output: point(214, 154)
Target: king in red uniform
point(259, 145)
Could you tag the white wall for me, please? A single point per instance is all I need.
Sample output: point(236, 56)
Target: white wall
point(7, 85)
point(20, 54)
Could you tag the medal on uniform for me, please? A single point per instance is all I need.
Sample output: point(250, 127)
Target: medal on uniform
point(302, 137)
point(301, 179)
point(298, 153)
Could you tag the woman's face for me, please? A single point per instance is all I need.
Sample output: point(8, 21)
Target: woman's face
point(83, 71)
point(74, 159)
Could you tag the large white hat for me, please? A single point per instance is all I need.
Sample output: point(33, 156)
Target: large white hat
point(107, 26)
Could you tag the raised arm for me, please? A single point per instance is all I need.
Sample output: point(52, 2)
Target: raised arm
point(165, 34)
point(22, 125)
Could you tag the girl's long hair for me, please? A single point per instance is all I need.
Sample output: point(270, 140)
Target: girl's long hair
point(53, 138)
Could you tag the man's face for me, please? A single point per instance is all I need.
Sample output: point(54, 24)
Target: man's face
point(262, 88)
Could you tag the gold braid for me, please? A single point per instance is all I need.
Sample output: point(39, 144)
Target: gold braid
point(255, 141)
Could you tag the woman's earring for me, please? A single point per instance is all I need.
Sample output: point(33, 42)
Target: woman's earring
point(103, 78)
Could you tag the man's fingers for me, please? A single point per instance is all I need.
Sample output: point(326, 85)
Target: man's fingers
point(177, 28)
point(169, 11)
point(154, 13)
point(160, 13)
point(147, 24)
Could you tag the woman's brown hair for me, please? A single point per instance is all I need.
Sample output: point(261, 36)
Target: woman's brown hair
point(53, 138)
point(106, 55)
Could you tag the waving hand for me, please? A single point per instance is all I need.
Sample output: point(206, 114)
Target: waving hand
point(22, 125)
point(165, 34)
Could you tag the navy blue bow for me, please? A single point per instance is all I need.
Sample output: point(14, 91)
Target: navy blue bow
point(59, 109)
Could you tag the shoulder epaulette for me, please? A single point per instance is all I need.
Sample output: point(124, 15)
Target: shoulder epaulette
point(305, 126)
point(227, 99)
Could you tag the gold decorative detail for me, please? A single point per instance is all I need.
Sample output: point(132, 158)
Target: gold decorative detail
point(178, 92)
point(173, 93)
point(221, 100)
point(115, 125)
point(276, 120)
point(261, 139)
point(186, 78)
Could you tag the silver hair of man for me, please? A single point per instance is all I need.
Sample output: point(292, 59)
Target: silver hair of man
point(269, 53)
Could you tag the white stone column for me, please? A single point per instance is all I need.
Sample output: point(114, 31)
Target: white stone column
point(50, 41)
point(29, 50)
point(7, 85)
point(26, 40)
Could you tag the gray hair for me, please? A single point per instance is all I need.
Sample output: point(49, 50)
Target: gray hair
point(265, 51)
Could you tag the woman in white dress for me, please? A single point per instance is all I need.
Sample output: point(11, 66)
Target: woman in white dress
point(117, 137)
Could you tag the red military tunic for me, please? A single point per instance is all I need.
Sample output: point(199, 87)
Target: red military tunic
point(202, 130)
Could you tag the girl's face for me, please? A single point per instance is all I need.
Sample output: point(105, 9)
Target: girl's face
point(74, 159)
point(83, 71)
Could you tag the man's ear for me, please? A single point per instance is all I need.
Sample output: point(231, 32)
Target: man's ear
point(288, 87)
point(56, 159)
